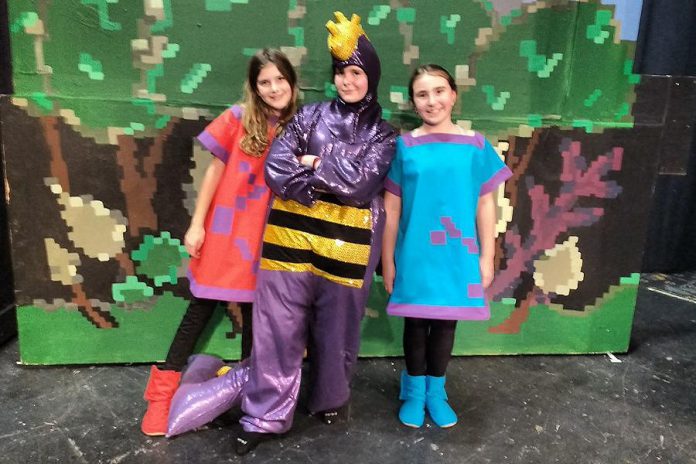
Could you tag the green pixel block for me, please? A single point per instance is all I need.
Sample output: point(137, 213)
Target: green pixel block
point(583, 124)
point(194, 77)
point(497, 103)
point(26, 19)
point(406, 15)
point(159, 258)
point(131, 291)
point(628, 71)
point(168, 20)
point(539, 64)
point(103, 13)
point(377, 14)
point(91, 66)
point(330, 90)
point(298, 33)
point(592, 99)
point(633, 279)
point(448, 25)
point(171, 50)
point(42, 100)
point(594, 31)
point(222, 5)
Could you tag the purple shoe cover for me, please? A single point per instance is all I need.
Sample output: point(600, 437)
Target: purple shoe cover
point(200, 367)
point(196, 404)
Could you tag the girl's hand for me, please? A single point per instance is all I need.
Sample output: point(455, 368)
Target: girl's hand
point(486, 266)
point(193, 240)
point(388, 274)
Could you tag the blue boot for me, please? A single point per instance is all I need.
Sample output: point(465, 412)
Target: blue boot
point(412, 412)
point(436, 402)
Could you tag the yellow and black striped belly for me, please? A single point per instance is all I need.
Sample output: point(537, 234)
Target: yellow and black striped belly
point(328, 239)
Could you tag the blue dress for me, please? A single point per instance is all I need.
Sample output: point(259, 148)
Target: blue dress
point(440, 178)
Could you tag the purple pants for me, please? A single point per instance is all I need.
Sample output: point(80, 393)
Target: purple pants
point(288, 307)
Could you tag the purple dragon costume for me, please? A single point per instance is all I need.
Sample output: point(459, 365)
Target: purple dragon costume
point(321, 245)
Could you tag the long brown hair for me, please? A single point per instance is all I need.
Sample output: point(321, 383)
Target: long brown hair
point(256, 111)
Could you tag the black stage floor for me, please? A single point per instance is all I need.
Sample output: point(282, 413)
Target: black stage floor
point(527, 409)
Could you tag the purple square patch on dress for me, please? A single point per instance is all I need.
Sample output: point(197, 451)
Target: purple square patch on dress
point(438, 237)
point(475, 291)
point(222, 220)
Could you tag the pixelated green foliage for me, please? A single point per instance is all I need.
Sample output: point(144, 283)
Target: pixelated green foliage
point(628, 71)
point(159, 258)
point(26, 19)
point(131, 291)
point(147, 103)
point(406, 15)
point(91, 66)
point(592, 99)
point(133, 127)
point(583, 124)
point(194, 77)
point(595, 31)
point(151, 77)
point(624, 110)
point(162, 121)
point(330, 90)
point(249, 51)
point(497, 102)
point(535, 120)
point(171, 50)
point(103, 11)
point(222, 5)
point(633, 279)
point(42, 101)
point(538, 63)
point(168, 20)
point(507, 20)
point(377, 14)
point(447, 26)
point(298, 34)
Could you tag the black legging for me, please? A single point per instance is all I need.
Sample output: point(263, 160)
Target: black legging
point(428, 345)
point(192, 324)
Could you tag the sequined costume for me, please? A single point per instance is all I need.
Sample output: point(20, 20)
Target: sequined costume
point(321, 246)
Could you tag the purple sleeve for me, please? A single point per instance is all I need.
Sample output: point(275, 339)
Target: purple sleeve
point(218, 137)
point(356, 177)
point(493, 171)
point(284, 174)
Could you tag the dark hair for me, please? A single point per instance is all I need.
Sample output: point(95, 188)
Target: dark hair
point(256, 112)
point(434, 69)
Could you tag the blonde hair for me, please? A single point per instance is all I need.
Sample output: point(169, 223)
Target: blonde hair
point(256, 111)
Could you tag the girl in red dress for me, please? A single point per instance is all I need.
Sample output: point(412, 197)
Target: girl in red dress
point(224, 238)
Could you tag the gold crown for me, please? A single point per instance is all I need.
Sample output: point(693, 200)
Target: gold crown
point(343, 35)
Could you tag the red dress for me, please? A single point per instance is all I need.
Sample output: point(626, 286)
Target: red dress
point(229, 256)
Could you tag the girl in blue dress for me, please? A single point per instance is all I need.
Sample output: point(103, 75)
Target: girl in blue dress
point(439, 240)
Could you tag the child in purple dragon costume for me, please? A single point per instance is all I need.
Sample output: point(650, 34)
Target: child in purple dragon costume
point(321, 245)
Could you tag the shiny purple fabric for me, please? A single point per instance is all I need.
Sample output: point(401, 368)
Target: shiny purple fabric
point(356, 147)
point(202, 396)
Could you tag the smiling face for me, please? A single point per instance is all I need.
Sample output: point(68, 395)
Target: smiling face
point(273, 88)
point(434, 99)
point(351, 83)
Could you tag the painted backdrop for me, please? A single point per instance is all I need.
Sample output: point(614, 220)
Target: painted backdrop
point(103, 170)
